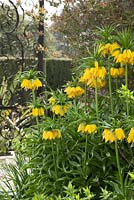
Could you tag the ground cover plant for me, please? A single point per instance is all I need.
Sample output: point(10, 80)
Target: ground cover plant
point(80, 145)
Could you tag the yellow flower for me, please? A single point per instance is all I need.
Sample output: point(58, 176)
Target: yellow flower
point(131, 136)
point(90, 128)
point(70, 92)
point(31, 84)
point(26, 84)
point(35, 112)
point(7, 112)
point(121, 71)
point(79, 91)
point(56, 109)
point(50, 135)
point(59, 110)
point(109, 49)
point(104, 49)
point(131, 60)
point(108, 135)
point(102, 72)
point(100, 83)
point(41, 111)
point(115, 53)
point(58, 133)
point(38, 112)
point(36, 84)
point(81, 128)
point(117, 72)
point(91, 83)
point(125, 57)
point(73, 92)
point(93, 75)
point(96, 83)
point(86, 76)
point(52, 100)
point(114, 49)
point(114, 72)
point(87, 128)
point(119, 134)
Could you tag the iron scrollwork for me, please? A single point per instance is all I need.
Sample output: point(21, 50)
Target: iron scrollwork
point(18, 43)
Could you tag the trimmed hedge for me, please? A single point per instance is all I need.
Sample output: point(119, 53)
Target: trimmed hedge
point(56, 71)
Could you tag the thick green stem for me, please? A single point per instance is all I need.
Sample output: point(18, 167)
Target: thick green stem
point(85, 157)
point(126, 83)
point(54, 159)
point(116, 83)
point(57, 151)
point(118, 166)
point(110, 89)
point(126, 75)
point(85, 98)
point(34, 96)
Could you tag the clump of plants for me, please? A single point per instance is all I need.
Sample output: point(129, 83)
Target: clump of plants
point(82, 136)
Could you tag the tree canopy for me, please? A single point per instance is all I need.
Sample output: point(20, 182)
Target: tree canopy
point(79, 19)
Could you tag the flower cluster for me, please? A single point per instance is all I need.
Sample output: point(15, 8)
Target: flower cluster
point(94, 77)
point(51, 135)
point(110, 136)
point(117, 72)
point(59, 110)
point(109, 48)
point(73, 92)
point(38, 111)
point(118, 134)
point(51, 100)
point(31, 84)
point(127, 57)
point(87, 128)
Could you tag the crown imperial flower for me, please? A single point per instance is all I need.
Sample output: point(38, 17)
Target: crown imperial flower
point(31, 84)
point(94, 75)
point(119, 134)
point(51, 100)
point(51, 135)
point(108, 135)
point(131, 136)
point(73, 92)
point(59, 110)
point(87, 128)
point(38, 111)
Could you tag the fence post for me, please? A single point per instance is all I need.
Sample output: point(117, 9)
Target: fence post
point(41, 39)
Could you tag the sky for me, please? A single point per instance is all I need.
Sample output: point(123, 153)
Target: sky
point(28, 4)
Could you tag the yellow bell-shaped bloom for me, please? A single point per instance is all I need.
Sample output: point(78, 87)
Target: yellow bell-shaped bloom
point(73, 92)
point(36, 84)
point(59, 110)
point(121, 71)
point(90, 128)
point(114, 72)
point(26, 84)
point(119, 134)
point(81, 128)
point(131, 136)
point(108, 136)
point(38, 111)
point(51, 100)
point(51, 135)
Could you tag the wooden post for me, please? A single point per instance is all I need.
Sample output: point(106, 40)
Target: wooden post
point(41, 39)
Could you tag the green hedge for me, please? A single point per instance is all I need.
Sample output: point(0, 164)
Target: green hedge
point(56, 71)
